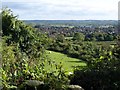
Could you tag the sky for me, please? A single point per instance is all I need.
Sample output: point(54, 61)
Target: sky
point(64, 9)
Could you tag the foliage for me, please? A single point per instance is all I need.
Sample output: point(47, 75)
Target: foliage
point(102, 73)
point(23, 56)
point(22, 35)
point(79, 37)
point(97, 36)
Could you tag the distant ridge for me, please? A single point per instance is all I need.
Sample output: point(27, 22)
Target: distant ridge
point(72, 22)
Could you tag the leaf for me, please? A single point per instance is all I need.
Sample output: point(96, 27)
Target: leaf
point(101, 57)
point(110, 53)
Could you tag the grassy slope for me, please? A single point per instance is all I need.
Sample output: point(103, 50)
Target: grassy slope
point(67, 62)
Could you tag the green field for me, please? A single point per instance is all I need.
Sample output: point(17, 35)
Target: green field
point(68, 63)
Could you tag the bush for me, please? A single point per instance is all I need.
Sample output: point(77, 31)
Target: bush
point(23, 56)
point(101, 73)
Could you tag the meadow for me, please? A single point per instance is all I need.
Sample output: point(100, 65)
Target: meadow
point(67, 62)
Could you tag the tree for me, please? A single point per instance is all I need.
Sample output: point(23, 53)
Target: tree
point(24, 57)
point(22, 35)
point(79, 37)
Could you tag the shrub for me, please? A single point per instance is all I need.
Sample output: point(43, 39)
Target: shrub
point(102, 73)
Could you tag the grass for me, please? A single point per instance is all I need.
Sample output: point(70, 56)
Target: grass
point(68, 63)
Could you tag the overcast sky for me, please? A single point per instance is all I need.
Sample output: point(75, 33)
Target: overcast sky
point(64, 9)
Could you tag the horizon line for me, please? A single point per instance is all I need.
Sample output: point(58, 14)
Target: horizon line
point(71, 19)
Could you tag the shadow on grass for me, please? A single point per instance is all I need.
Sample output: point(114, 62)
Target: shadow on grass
point(76, 61)
point(80, 67)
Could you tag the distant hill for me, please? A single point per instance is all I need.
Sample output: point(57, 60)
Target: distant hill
point(72, 22)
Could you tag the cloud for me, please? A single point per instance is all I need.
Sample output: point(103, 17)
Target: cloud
point(64, 9)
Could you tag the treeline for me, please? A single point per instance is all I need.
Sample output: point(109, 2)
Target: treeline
point(101, 37)
point(77, 47)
